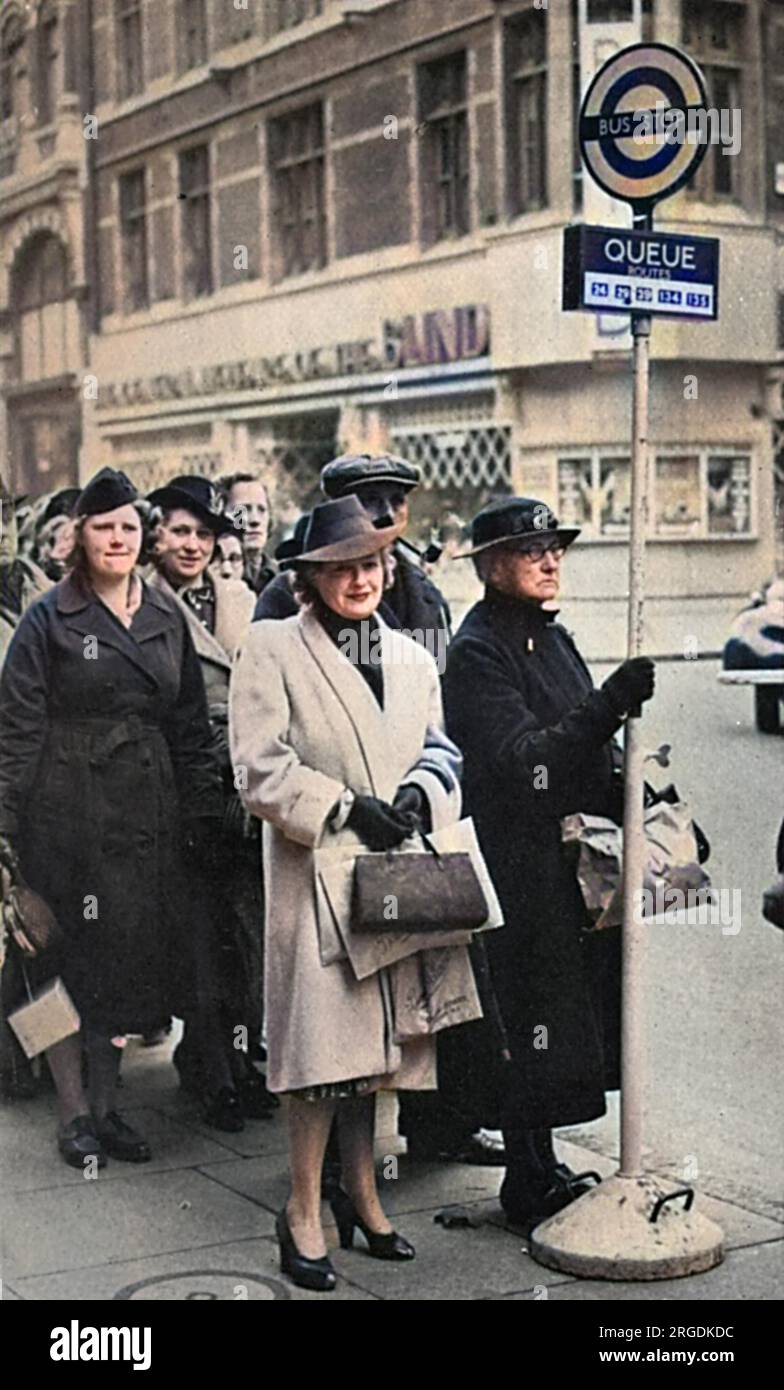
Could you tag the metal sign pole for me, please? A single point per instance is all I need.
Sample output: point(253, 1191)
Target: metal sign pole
point(634, 853)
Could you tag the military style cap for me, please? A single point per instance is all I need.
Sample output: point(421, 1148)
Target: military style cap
point(514, 519)
point(347, 473)
point(196, 495)
point(105, 492)
point(291, 547)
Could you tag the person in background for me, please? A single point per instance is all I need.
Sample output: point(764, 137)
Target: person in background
point(228, 906)
point(108, 782)
point(246, 504)
point(229, 561)
point(537, 741)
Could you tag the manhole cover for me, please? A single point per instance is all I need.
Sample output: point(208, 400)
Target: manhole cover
point(207, 1286)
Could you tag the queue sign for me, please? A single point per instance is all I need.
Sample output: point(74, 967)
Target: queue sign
point(609, 269)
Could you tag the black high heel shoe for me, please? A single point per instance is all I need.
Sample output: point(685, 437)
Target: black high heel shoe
point(382, 1247)
point(306, 1274)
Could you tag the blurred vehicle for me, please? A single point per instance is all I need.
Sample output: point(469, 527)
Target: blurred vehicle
point(754, 654)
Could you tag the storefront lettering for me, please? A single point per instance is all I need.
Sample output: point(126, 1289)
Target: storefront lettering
point(416, 340)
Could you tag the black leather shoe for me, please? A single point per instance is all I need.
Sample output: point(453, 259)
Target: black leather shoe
point(388, 1246)
point(224, 1111)
point(317, 1275)
point(78, 1142)
point(527, 1206)
point(257, 1102)
point(120, 1141)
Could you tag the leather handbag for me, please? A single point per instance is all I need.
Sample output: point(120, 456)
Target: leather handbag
point(413, 892)
point(31, 921)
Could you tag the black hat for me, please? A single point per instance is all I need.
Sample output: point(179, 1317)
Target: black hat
point(105, 492)
point(345, 474)
point(513, 519)
point(342, 530)
point(196, 495)
point(291, 547)
point(60, 503)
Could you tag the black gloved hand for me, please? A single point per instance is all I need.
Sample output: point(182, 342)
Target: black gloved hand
point(411, 803)
point(630, 684)
point(773, 903)
point(377, 824)
point(9, 857)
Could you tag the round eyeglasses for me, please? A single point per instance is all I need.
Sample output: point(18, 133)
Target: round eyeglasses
point(538, 552)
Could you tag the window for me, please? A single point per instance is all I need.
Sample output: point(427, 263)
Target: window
point(194, 50)
point(40, 287)
point(698, 495)
point(297, 164)
point(443, 114)
point(133, 236)
point(196, 222)
point(286, 14)
point(12, 42)
point(714, 34)
point(526, 74)
point(48, 58)
point(129, 41)
point(610, 11)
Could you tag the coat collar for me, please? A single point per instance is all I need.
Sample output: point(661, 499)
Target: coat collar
point(370, 722)
point(208, 648)
point(84, 612)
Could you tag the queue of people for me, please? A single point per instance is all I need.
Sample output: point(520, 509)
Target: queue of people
point(170, 770)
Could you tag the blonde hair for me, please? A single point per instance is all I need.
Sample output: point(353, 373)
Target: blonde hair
point(305, 591)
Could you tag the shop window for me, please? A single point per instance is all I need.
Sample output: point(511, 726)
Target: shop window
point(296, 144)
point(40, 288)
point(287, 14)
point(526, 78)
point(459, 457)
point(714, 35)
point(443, 115)
point(694, 496)
point(194, 171)
point(48, 64)
point(610, 11)
point(130, 62)
point(133, 236)
point(292, 455)
point(194, 48)
point(12, 44)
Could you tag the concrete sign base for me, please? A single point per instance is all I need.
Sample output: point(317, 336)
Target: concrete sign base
point(609, 1233)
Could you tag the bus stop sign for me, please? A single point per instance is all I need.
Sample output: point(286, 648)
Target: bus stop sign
point(643, 124)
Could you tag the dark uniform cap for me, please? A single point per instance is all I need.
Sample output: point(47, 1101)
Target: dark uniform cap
point(347, 473)
point(60, 504)
point(514, 519)
point(196, 495)
point(105, 492)
point(292, 546)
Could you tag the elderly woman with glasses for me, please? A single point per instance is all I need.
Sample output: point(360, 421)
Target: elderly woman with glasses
point(337, 741)
point(537, 742)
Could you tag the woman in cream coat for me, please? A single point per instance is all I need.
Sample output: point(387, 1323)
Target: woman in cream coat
point(329, 750)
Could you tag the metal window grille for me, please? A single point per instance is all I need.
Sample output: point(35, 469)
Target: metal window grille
point(297, 154)
point(444, 113)
point(463, 458)
point(194, 168)
point(293, 457)
point(194, 33)
point(131, 69)
point(133, 233)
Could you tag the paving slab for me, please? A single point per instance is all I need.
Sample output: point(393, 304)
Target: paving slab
point(237, 1271)
point(258, 1136)
point(147, 1214)
point(750, 1274)
point(29, 1158)
point(461, 1264)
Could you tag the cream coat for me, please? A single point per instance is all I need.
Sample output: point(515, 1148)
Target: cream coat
point(234, 603)
point(304, 726)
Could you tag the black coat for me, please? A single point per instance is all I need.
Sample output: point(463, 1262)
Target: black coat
point(105, 752)
point(535, 735)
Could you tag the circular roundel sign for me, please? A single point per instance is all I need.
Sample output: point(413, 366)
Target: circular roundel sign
point(644, 127)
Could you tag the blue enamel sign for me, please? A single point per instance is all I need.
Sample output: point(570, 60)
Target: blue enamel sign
point(610, 270)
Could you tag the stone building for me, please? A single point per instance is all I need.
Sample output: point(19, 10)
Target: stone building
point(43, 277)
point(321, 224)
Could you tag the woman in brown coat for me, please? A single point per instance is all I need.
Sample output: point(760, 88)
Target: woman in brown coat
point(337, 740)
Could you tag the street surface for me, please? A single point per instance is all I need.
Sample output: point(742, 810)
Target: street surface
point(197, 1222)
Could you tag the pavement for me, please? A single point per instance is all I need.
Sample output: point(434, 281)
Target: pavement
point(198, 1221)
